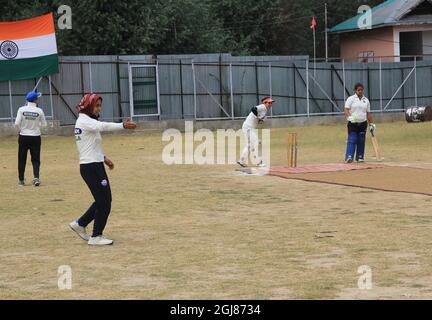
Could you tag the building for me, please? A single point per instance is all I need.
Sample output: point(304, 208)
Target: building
point(396, 30)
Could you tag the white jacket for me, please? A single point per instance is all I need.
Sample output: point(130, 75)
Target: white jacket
point(89, 139)
point(30, 119)
point(251, 121)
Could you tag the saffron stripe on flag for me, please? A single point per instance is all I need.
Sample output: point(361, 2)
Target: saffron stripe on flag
point(28, 28)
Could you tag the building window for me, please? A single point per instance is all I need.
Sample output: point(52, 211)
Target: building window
point(366, 56)
point(411, 45)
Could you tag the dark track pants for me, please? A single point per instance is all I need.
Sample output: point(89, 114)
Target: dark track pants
point(33, 144)
point(356, 140)
point(95, 177)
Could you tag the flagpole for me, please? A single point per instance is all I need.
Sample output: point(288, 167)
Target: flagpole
point(314, 52)
point(326, 33)
point(37, 84)
point(313, 26)
point(10, 101)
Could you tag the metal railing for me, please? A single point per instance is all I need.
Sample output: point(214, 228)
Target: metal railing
point(227, 90)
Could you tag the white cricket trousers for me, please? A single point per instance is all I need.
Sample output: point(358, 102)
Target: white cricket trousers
point(251, 145)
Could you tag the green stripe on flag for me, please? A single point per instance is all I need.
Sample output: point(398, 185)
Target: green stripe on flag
point(28, 68)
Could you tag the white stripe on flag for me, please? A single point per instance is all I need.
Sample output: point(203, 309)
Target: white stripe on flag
point(34, 47)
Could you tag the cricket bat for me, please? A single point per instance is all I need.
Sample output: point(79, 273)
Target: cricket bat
point(375, 145)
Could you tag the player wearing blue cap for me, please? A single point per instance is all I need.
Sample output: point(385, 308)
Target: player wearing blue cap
point(29, 120)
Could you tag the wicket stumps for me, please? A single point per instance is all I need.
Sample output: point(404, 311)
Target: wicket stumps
point(292, 149)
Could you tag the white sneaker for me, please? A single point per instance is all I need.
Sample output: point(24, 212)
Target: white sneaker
point(261, 164)
point(100, 241)
point(36, 182)
point(81, 231)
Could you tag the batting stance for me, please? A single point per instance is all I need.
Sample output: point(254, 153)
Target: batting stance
point(92, 159)
point(29, 120)
point(256, 116)
point(358, 114)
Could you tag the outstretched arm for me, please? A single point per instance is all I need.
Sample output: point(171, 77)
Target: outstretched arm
point(100, 126)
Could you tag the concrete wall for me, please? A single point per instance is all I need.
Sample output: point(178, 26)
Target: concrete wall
point(380, 41)
point(7, 129)
point(384, 42)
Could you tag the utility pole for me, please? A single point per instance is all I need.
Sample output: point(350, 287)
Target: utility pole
point(326, 35)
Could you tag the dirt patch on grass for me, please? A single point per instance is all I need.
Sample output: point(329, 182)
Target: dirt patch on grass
point(394, 179)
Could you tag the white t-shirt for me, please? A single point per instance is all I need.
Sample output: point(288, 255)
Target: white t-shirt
point(251, 121)
point(30, 119)
point(89, 139)
point(358, 108)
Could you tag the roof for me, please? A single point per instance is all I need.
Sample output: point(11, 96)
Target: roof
point(389, 13)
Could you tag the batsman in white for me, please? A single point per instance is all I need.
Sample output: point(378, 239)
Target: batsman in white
point(358, 113)
point(255, 117)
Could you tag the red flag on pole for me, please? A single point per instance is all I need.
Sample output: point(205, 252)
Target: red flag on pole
point(314, 23)
point(313, 27)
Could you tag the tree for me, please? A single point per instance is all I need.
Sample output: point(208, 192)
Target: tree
point(242, 27)
point(250, 25)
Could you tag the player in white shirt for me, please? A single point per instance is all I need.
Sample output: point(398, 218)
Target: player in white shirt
point(358, 113)
point(92, 159)
point(255, 117)
point(30, 118)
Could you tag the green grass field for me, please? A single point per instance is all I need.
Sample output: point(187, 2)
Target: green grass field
point(206, 232)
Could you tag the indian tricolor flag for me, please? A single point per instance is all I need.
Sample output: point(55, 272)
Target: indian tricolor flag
point(28, 48)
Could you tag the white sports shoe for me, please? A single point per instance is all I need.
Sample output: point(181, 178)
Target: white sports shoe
point(81, 231)
point(261, 164)
point(100, 241)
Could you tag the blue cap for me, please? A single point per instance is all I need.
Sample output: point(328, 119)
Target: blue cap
point(32, 96)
